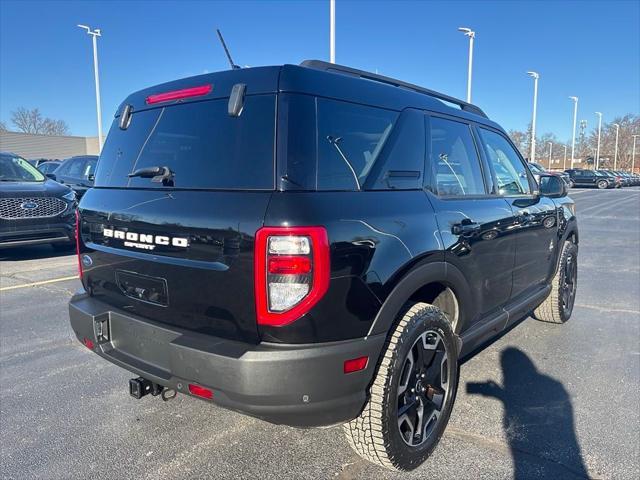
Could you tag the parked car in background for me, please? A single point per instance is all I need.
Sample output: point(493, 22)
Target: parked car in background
point(590, 178)
point(538, 170)
point(77, 172)
point(49, 167)
point(34, 209)
point(36, 162)
point(617, 179)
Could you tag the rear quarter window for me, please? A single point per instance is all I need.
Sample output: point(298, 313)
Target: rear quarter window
point(203, 146)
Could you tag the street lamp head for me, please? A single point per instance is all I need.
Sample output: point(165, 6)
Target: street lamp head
point(467, 31)
point(599, 113)
point(533, 74)
point(575, 99)
point(95, 32)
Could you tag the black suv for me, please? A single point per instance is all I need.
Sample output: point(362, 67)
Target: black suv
point(590, 178)
point(33, 209)
point(315, 245)
point(77, 172)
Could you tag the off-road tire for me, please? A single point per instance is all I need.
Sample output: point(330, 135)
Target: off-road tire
point(603, 185)
point(552, 310)
point(375, 434)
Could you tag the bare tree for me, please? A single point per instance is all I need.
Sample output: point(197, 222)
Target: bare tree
point(629, 125)
point(31, 121)
point(3, 127)
point(521, 141)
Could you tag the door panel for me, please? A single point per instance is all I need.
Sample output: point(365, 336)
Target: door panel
point(474, 225)
point(478, 239)
point(536, 236)
point(536, 220)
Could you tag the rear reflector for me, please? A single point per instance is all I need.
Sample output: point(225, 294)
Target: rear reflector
point(87, 343)
point(178, 94)
point(200, 391)
point(355, 364)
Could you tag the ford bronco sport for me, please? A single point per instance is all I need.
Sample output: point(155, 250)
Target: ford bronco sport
point(315, 245)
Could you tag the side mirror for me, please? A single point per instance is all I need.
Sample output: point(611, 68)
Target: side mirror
point(552, 186)
point(91, 177)
point(52, 176)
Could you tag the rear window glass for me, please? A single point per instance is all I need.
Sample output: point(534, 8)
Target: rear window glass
point(350, 139)
point(199, 142)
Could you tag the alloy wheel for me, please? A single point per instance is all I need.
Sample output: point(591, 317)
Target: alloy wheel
point(423, 389)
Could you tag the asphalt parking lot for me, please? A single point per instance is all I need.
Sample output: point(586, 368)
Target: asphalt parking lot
point(543, 401)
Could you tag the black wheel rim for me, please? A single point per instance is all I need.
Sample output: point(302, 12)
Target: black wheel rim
point(569, 284)
point(423, 388)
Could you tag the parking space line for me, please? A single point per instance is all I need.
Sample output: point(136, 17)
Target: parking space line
point(35, 284)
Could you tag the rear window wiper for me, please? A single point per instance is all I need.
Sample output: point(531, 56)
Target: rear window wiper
point(162, 175)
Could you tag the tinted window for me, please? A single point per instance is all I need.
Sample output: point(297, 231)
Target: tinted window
point(454, 159)
point(350, 139)
point(511, 173)
point(76, 167)
point(202, 145)
point(17, 169)
point(400, 165)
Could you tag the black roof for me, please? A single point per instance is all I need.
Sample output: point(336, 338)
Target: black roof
point(319, 78)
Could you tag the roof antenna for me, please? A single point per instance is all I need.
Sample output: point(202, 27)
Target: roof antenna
point(226, 50)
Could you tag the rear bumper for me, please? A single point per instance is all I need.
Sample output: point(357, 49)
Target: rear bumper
point(297, 385)
point(20, 235)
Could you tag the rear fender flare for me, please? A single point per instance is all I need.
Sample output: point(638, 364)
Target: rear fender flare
point(435, 272)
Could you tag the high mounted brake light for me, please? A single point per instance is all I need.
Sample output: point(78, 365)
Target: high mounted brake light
point(178, 94)
point(291, 272)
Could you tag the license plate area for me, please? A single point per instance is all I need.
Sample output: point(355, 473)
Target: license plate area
point(143, 288)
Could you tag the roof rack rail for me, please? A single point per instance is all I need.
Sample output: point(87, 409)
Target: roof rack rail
point(329, 67)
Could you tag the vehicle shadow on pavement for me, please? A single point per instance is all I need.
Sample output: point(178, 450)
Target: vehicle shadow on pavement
point(538, 420)
point(34, 252)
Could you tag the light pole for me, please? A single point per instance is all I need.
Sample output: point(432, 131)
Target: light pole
point(573, 138)
point(598, 148)
point(564, 162)
point(535, 76)
point(633, 155)
point(550, 152)
point(332, 31)
point(94, 35)
point(615, 155)
point(471, 34)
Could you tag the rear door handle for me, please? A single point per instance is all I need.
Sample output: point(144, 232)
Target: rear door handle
point(466, 227)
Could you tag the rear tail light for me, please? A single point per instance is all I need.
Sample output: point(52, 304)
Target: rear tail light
point(291, 272)
point(178, 94)
point(80, 272)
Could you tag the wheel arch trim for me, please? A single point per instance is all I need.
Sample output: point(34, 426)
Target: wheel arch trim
point(418, 277)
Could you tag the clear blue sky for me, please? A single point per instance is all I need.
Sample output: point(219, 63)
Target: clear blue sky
point(582, 48)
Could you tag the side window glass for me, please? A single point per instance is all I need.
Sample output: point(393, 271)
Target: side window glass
point(64, 168)
point(511, 173)
point(76, 169)
point(350, 139)
point(454, 159)
point(401, 162)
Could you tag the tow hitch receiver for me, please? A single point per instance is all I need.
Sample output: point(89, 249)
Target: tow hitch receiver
point(139, 387)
